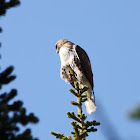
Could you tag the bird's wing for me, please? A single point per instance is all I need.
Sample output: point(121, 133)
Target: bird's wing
point(85, 64)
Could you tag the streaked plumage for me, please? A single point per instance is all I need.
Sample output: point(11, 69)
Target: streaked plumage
point(74, 56)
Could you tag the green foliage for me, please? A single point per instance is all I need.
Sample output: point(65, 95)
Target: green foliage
point(135, 113)
point(6, 78)
point(61, 136)
point(12, 113)
point(4, 5)
point(80, 126)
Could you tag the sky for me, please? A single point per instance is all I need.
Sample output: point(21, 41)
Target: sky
point(109, 31)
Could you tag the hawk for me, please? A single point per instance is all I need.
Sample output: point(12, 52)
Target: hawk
point(76, 58)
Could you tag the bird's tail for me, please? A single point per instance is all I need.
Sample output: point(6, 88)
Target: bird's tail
point(90, 103)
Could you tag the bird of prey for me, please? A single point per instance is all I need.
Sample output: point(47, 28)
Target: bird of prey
point(76, 58)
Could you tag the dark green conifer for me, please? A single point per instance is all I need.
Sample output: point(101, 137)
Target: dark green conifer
point(80, 126)
point(12, 113)
point(5, 5)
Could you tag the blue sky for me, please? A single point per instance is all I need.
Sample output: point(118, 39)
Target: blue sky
point(109, 31)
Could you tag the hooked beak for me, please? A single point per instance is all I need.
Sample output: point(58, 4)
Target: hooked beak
point(57, 51)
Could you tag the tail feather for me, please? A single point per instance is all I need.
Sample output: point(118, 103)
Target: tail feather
point(90, 104)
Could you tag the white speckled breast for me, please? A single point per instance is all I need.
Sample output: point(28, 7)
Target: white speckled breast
point(66, 56)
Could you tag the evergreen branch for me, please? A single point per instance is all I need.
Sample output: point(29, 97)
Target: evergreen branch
point(4, 6)
point(82, 116)
point(91, 123)
point(92, 129)
point(76, 84)
point(61, 136)
point(83, 134)
point(81, 128)
point(74, 103)
point(12, 114)
point(72, 115)
point(75, 127)
point(5, 77)
point(72, 73)
point(83, 99)
point(84, 89)
point(73, 92)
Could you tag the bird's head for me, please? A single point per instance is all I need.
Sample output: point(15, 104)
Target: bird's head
point(61, 43)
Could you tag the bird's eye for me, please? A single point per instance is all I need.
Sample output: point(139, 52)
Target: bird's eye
point(56, 47)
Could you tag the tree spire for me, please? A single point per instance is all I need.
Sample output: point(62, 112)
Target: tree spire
point(80, 126)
